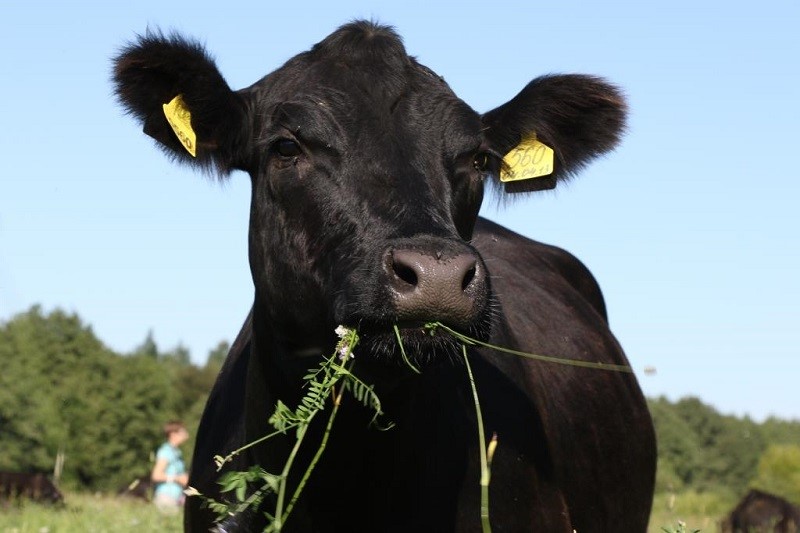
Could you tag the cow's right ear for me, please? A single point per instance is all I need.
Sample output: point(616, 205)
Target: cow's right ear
point(554, 127)
point(172, 86)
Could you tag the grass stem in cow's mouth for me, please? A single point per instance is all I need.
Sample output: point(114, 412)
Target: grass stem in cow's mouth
point(403, 350)
point(432, 327)
point(484, 452)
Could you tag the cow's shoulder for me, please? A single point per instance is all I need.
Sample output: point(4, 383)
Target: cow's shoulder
point(516, 260)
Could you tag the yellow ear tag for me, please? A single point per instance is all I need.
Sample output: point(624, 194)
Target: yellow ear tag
point(530, 159)
point(180, 119)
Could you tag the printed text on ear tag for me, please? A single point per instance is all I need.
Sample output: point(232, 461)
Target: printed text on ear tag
point(180, 119)
point(530, 159)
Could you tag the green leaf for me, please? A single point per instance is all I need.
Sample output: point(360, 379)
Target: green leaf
point(229, 481)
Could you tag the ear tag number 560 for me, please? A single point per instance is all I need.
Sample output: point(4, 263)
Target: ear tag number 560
point(530, 159)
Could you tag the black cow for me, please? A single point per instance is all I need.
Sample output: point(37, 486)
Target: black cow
point(762, 512)
point(367, 176)
point(37, 487)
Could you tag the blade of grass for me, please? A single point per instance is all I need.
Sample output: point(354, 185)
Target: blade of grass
point(546, 358)
point(403, 350)
point(485, 473)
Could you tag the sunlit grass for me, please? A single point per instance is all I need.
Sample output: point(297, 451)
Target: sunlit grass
point(88, 513)
point(100, 514)
point(697, 510)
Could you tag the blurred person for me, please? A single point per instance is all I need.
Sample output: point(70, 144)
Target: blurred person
point(169, 472)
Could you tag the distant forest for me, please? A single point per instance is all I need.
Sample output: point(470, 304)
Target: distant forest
point(63, 390)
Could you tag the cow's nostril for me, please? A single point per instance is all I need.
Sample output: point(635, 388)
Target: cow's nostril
point(405, 273)
point(427, 284)
point(468, 277)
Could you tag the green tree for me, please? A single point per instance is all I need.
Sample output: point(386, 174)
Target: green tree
point(148, 347)
point(701, 449)
point(180, 356)
point(679, 450)
point(778, 431)
point(30, 428)
point(729, 447)
point(779, 471)
point(61, 388)
point(216, 357)
point(737, 449)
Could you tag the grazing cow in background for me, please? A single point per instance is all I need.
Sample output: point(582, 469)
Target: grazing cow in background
point(761, 512)
point(37, 487)
point(367, 176)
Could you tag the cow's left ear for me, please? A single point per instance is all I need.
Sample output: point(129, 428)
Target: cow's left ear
point(175, 90)
point(578, 117)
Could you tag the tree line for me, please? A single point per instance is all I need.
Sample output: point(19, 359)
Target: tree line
point(63, 390)
point(702, 450)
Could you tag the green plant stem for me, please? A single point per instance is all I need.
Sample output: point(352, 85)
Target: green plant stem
point(403, 350)
point(545, 358)
point(301, 433)
point(337, 401)
point(234, 453)
point(282, 515)
point(485, 474)
point(253, 497)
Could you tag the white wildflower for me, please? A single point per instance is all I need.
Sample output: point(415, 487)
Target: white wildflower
point(344, 352)
point(344, 349)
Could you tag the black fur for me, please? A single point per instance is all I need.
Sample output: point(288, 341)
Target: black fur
point(762, 512)
point(156, 68)
point(18, 486)
point(361, 158)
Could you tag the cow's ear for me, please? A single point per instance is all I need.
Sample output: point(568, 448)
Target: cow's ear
point(172, 86)
point(578, 117)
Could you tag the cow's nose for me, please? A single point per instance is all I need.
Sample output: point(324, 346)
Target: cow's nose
point(436, 286)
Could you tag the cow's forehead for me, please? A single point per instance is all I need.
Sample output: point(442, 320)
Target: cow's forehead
point(359, 76)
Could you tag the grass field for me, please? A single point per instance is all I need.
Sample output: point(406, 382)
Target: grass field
point(90, 514)
point(86, 513)
point(703, 511)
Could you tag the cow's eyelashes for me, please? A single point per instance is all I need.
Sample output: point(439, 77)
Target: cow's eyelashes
point(287, 148)
point(486, 162)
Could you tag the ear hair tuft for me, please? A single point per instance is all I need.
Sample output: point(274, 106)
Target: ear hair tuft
point(156, 68)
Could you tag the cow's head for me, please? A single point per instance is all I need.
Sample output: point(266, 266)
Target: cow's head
point(367, 173)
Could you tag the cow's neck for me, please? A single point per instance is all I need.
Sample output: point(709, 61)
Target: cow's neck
point(428, 460)
point(421, 461)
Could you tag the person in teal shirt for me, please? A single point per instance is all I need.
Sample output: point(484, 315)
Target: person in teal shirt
point(169, 473)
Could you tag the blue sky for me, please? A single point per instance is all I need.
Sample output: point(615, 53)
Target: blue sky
point(691, 226)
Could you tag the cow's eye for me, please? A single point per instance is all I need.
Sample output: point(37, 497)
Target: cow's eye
point(287, 148)
point(484, 162)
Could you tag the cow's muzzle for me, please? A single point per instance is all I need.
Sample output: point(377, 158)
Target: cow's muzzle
point(439, 281)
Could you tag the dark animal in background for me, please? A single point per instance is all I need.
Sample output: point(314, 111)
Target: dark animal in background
point(367, 176)
point(140, 488)
point(37, 487)
point(762, 512)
